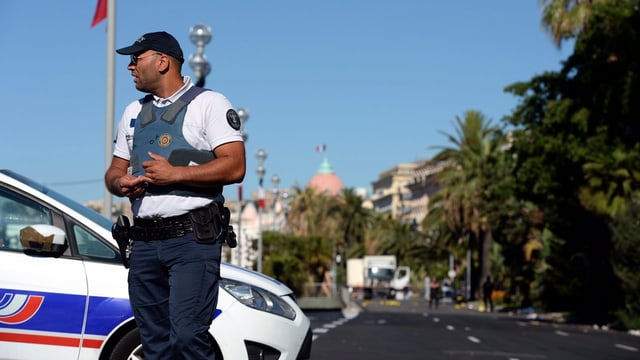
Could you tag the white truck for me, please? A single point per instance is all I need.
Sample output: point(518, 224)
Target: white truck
point(377, 276)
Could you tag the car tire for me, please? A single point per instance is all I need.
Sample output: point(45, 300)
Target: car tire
point(128, 348)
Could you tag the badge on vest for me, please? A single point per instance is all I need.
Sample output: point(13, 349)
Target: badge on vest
point(164, 140)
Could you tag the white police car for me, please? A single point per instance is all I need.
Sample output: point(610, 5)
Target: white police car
point(63, 289)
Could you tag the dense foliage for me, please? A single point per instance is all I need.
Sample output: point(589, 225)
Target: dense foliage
point(576, 142)
point(550, 208)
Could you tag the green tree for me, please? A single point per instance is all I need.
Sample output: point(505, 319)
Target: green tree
point(564, 19)
point(295, 260)
point(626, 261)
point(568, 125)
point(312, 213)
point(354, 220)
point(469, 167)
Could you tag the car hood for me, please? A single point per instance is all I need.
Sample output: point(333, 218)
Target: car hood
point(233, 272)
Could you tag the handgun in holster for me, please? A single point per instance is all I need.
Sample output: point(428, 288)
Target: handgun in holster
point(229, 235)
point(121, 232)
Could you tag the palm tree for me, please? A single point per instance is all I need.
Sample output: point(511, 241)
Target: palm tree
point(565, 19)
point(611, 179)
point(469, 167)
point(354, 216)
point(311, 213)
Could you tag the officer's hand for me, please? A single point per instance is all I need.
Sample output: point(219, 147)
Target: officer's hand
point(132, 186)
point(158, 171)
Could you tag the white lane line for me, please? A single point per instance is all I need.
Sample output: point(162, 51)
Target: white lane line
point(562, 333)
point(450, 327)
point(473, 339)
point(341, 321)
point(326, 327)
point(626, 347)
point(493, 354)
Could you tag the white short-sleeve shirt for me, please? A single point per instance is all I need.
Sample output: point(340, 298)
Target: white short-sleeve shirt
point(205, 128)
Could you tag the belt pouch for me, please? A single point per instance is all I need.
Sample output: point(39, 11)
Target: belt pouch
point(205, 225)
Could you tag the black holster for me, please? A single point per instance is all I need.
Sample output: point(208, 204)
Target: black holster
point(121, 233)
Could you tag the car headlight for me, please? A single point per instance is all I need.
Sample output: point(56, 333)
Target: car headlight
point(258, 298)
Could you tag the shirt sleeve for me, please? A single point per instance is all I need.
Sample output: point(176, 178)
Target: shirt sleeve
point(221, 121)
point(124, 133)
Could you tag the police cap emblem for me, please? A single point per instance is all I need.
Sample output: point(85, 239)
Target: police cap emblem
point(233, 119)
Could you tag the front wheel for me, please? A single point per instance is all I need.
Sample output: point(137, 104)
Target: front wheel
point(129, 347)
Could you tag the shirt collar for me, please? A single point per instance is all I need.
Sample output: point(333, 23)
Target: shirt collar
point(160, 102)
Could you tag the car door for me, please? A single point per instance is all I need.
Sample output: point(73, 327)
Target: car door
point(108, 306)
point(43, 299)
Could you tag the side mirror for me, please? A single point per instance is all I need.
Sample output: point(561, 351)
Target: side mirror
point(43, 240)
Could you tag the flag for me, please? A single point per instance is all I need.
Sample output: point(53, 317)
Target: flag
point(321, 148)
point(261, 202)
point(101, 12)
point(240, 192)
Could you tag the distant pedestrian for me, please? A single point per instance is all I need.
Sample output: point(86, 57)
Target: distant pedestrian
point(434, 292)
point(487, 292)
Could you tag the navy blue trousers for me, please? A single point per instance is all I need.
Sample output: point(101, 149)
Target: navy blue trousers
point(173, 289)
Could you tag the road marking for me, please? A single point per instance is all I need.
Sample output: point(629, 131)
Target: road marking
point(626, 347)
point(436, 319)
point(450, 327)
point(511, 356)
point(473, 339)
point(326, 327)
point(562, 333)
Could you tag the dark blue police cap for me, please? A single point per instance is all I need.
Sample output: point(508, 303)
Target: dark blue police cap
point(159, 41)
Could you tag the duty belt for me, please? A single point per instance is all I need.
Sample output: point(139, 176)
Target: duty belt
point(161, 228)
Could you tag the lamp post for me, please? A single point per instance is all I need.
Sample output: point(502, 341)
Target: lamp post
point(200, 35)
point(261, 155)
point(244, 116)
point(285, 212)
point(275, 181)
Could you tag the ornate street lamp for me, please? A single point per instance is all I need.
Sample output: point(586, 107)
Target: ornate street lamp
point(244, 116)
point(261, 155)
point(275, 180)
point(200, 35)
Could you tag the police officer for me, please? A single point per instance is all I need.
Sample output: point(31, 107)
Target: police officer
point(175, 149)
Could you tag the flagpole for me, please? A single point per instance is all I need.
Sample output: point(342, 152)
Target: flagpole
point(110, 103)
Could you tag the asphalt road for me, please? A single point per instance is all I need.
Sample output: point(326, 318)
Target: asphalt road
point(410, 330)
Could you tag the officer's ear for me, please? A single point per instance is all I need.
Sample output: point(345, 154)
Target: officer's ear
point(165, 63)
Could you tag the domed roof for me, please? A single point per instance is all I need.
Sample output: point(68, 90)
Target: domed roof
point(325, 180)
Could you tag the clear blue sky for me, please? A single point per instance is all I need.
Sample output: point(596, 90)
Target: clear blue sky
point(378, 82)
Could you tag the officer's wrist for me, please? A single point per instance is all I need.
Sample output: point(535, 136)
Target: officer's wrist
point(116, 189)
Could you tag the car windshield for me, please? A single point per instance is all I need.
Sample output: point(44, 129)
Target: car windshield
point(83, 210)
